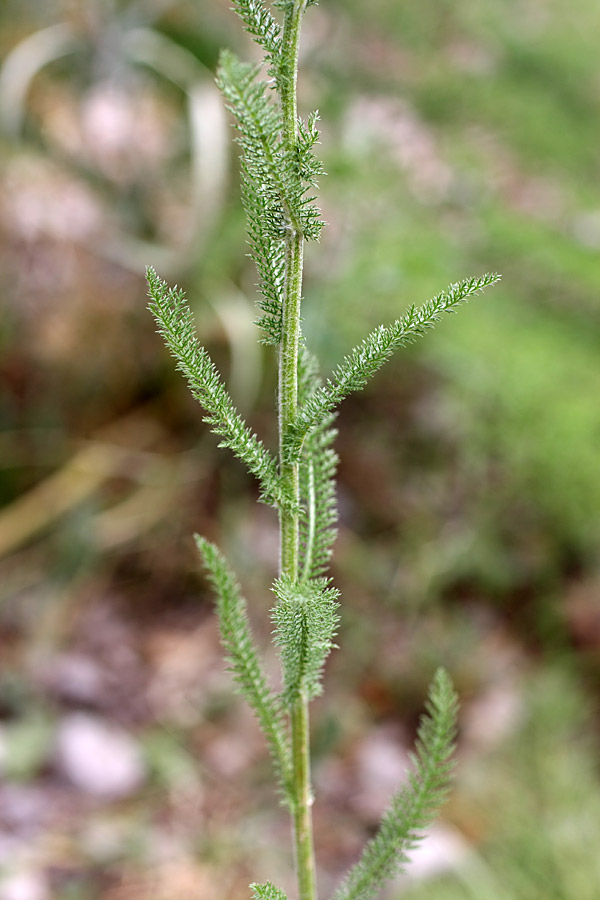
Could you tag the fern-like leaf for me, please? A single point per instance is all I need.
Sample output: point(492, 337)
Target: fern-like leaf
point(311, 168)
point(317, 470)
point(265, 156)
point(414, 806)
point(260, 127)
point(175, 324)
point(268, 252)
point(267, 891)
point(318, 526)
point(243, 660)
point(264, 194)
point(305, 624)
point(275, 180)
point(369, 356)
point(261, 25)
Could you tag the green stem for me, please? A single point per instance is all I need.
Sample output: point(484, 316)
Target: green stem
point(303, 836)
point(288, 409)
point(288, 397)
point(289, 67)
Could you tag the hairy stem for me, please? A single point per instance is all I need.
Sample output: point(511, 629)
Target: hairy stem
point(289, 67)
point(288, 398)
point(288, 408)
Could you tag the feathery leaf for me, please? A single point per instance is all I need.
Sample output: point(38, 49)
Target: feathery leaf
point(317, 470)
point(305, 621)
point(268, 253)
point(310, 166)
point(260, 128)
point(243, 659)
point(415, 805)
point(267, 161)
point(261, 25)
point(267, 891)
point(174, 319)
point(369, 356)
point(263, 191)
point(275, 180)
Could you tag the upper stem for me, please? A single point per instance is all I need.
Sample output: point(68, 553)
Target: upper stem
point(289, 67)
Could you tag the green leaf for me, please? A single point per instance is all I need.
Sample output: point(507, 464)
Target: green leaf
point(305, 621)
point(175, 324)
point(317, 470)
point(260, 126)
point(261, 25)
point(243, 660)
point(260, 136)
point(268, 253)
point(318, 525)
point(368, 357)
point(275, 168)
point(264, 193)
point(415, 805)
point(267, 891)
point(275, 177)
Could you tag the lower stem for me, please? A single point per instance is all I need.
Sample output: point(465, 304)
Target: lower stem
point(303, 832)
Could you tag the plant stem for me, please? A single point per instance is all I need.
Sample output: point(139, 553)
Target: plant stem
point(289, 67)
point(303, 836)
point(288, 396)
point(288, 407)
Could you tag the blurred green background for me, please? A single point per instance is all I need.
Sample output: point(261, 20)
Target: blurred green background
point(458, 138)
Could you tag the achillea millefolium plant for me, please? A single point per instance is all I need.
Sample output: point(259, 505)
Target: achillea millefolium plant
point(279, 177)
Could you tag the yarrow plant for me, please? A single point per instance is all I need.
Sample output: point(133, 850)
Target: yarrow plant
point(279, 176)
